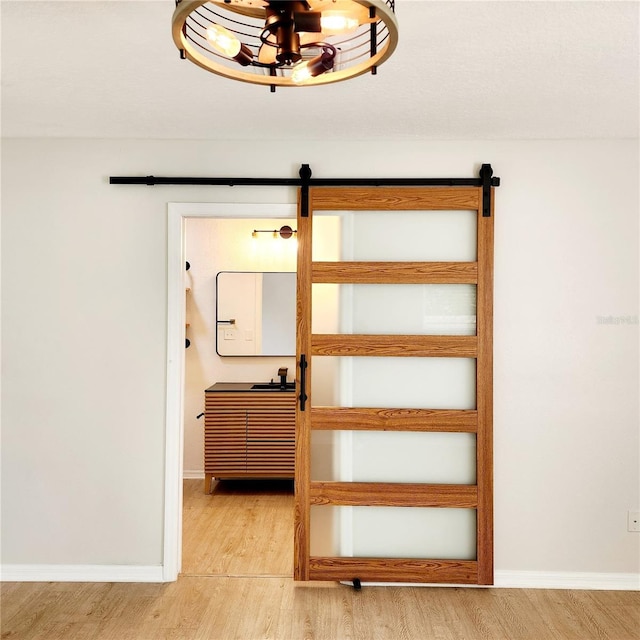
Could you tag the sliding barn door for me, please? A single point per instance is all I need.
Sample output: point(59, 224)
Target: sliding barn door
point(406, 494)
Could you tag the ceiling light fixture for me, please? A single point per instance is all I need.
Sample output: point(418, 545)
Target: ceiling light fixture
point(286, 44)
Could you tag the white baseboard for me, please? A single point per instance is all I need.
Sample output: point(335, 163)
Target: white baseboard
point(133, 573)
point(567, 580)
point(80, 573)
point(542, 580)
point(193, 474)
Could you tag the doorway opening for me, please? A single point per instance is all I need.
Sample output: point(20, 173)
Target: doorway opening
point(177, 475)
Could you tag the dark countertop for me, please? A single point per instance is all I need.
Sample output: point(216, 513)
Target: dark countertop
point(247, 386)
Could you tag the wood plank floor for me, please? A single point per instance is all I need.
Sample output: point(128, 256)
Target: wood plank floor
point(243, 527)
point(263, 608)
point(254, 598)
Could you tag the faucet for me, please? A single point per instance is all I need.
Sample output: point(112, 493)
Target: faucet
point(282, 372)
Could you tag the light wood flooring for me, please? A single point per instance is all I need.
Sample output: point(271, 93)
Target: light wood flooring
point(243, 527)
point(253, 598)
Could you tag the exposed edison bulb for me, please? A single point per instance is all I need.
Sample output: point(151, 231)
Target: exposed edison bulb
point(301, 73)
point(223, 40)
point(334, 23)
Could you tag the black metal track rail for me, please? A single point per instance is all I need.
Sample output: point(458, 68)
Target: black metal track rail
point(485, 180)
point(207, 182)
point(297, 182)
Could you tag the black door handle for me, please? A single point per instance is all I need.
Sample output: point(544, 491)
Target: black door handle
point(303, 381)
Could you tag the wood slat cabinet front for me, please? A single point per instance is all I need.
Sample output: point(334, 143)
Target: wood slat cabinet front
point(249, 435)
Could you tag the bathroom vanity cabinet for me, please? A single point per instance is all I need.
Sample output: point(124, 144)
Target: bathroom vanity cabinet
point(248, 433)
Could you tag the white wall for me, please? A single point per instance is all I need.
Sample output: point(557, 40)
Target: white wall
point(84, 314)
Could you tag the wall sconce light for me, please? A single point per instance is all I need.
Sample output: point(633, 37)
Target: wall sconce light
point(284, 232)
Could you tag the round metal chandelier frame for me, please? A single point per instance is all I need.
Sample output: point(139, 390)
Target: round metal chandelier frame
point(336, 56)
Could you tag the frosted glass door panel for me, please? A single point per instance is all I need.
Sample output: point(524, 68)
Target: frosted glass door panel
point(328, 526)
point(408, 383)
point(406, 309)
point(327, 447)
point(440, 236)
point(385, 456)
point(327, 381)
point(325, 308)
point(327, 233)
point(433, 458)
point(415, 383)
point(398, 532)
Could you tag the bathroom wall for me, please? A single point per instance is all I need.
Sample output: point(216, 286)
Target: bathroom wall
point(213, 245)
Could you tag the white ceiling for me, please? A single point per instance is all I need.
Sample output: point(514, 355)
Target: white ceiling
point(462, 70)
